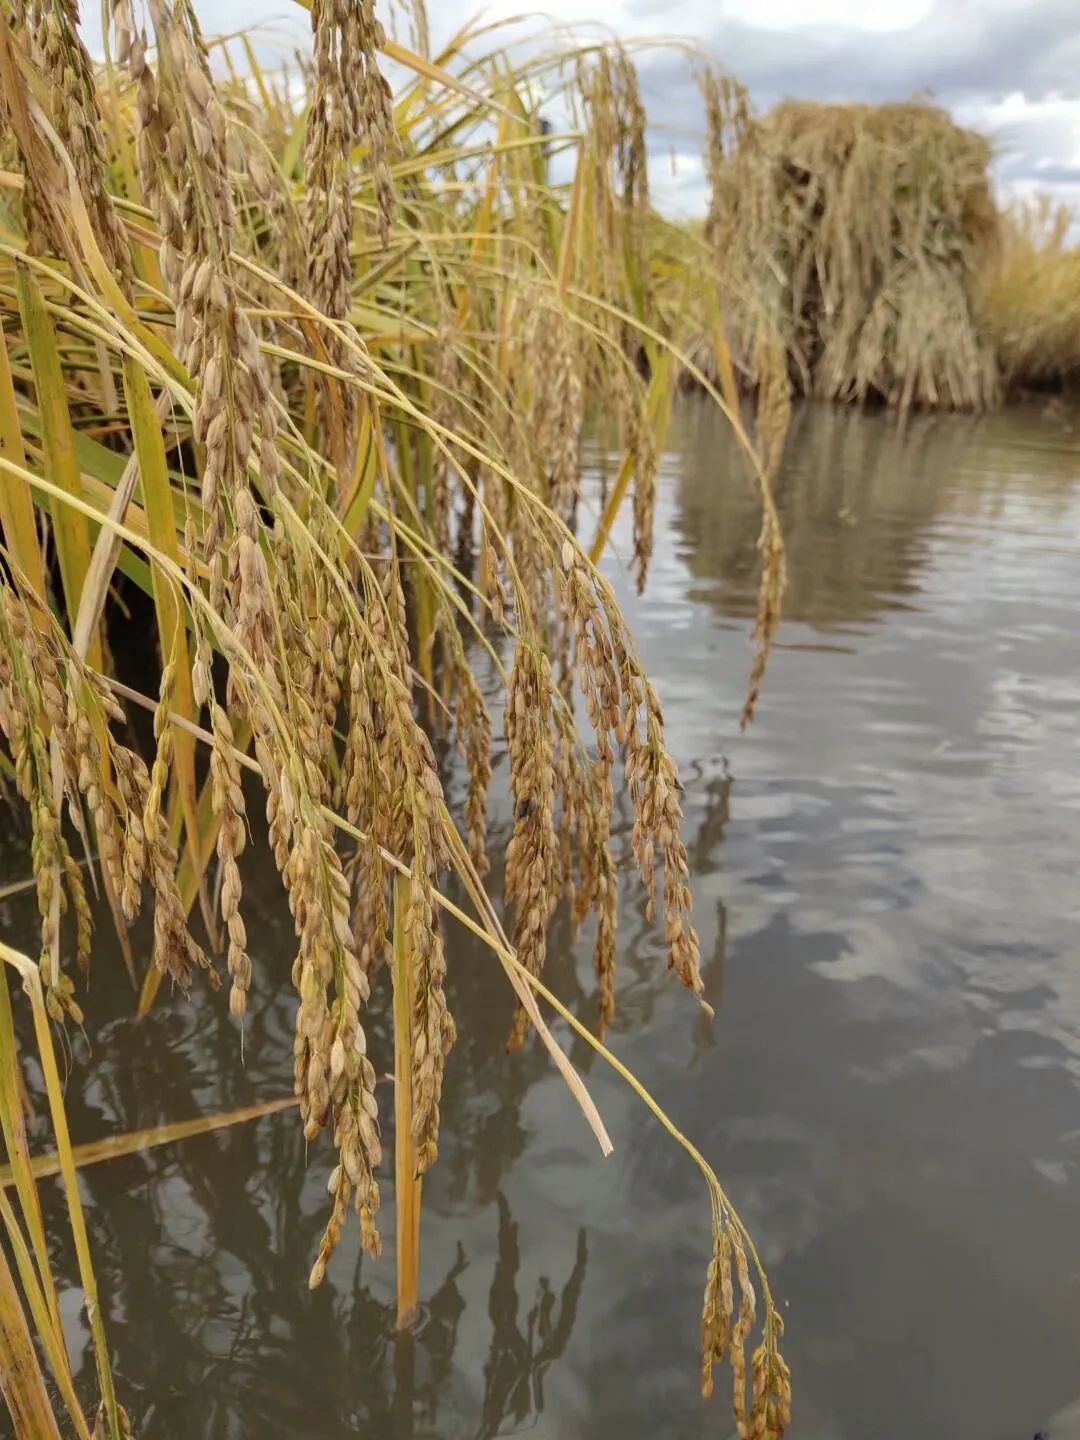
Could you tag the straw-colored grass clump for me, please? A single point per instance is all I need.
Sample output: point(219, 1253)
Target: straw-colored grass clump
point(1029, 298)
point(309, 365)
point(854, 234)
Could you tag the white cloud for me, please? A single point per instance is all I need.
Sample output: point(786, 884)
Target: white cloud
point(1038, 143)
point(791, 14)
point(1008, 67)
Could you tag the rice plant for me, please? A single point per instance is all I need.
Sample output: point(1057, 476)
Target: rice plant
point(308, 361)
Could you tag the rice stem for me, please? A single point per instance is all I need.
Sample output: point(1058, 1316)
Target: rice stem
point(408, 1182)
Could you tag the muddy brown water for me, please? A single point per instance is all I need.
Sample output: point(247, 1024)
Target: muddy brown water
point(886, 891)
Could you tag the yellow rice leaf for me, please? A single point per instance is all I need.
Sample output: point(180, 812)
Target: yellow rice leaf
point(356, 494)
point(21, 1380)
point(13, 1127)
point(725, 369)
point(658, 407)
point(47, 1323)
point(571, 230)
point(16, 501)
point(70, 528)
point(161, 529)
point(429, 70)
point(97, 1151)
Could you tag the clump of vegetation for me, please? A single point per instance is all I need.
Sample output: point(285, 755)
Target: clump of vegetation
point(1029, 297)
point(309, 366)
point(853, 236)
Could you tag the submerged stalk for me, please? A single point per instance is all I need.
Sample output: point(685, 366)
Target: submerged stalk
point(31, 983)
point(408, 1183)
point(21, 1380)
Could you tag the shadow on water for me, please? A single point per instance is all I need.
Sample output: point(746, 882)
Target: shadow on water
point(886, 895)
point(200, 1246)
point(860, 497)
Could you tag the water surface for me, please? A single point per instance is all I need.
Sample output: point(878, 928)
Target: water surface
point(886, 892)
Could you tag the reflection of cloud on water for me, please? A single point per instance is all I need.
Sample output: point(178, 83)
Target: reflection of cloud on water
point(893, 1081)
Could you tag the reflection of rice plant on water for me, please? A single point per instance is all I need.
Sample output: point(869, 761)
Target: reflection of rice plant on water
point(309, 366)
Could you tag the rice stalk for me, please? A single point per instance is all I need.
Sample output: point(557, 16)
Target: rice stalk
point(148, 444)
point(135, 1142)
point(21, 1381)
point(17, 516)
point(408, 1181)
point(112, 1420)
point(46, 1324)
point(16, 1145)
point(70, 531)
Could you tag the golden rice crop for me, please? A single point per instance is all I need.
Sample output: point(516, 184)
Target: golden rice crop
point(311, 367)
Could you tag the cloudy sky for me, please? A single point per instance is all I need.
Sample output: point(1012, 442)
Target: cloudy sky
point(1008, 67)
